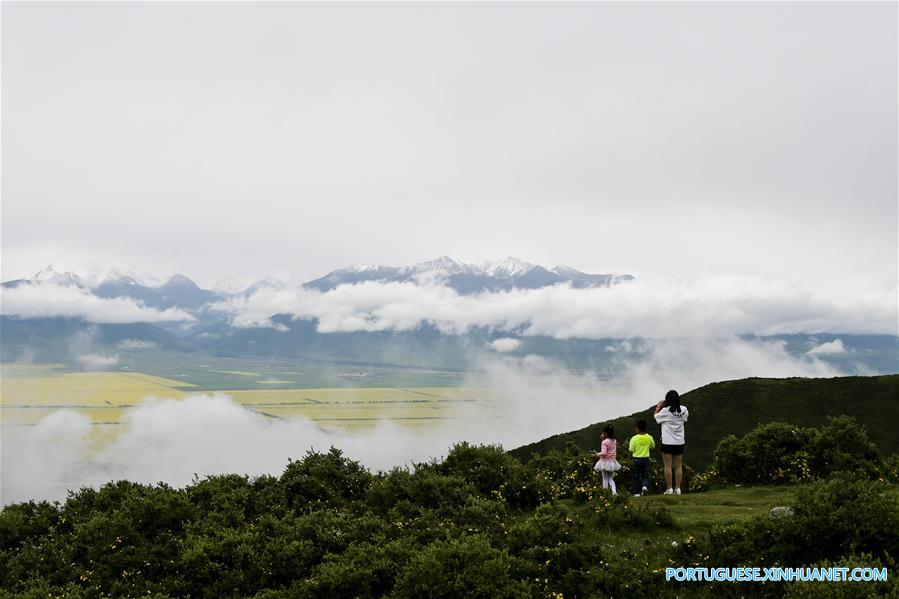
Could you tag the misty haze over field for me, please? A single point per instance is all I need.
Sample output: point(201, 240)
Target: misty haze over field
point(522, 217)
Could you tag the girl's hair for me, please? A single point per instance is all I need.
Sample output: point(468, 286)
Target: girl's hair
point(672, 400)
point(609, 430)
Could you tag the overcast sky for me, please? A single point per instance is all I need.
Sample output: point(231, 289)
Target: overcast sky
point(237, 139)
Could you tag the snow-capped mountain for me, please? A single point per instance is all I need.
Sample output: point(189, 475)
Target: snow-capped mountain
point(443, 264)
point(508, 268)
point(181, 292)
point(177, 292)
point(467, 277)
point(49, 275)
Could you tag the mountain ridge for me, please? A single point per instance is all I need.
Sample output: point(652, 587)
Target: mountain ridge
point(469, 277)
point(738, 406)
point(180, 291)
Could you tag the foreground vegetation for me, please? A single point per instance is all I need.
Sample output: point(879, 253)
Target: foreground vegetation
point(478, 524)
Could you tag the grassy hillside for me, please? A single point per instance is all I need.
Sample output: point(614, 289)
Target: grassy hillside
point(739, 406)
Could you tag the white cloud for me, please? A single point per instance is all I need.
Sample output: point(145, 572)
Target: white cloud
point(829, 348)
point(97, 361)
point(650, 306)
point(50, 300)
point(505, 344)
point(530, 399)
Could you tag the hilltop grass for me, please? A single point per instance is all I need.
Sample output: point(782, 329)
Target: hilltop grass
point(693, 514)
point(737, 407)
point(700, 511)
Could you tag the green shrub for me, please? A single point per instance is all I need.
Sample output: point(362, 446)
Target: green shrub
point(479, 515)
point(770, 453)
point(324, 479)
point(842, 445)
point(569, 472)
point(782, 453)
point(464, 567)
point(891, 468)
point(526, 487)
point(21, 522)
point(484, 466)
point(361, 571)
point(424, 487)
point(548, 526)
point(619, 512)
point(232, 500)
point(847, 589)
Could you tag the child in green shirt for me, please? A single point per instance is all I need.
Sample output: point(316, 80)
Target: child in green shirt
point(639, 447)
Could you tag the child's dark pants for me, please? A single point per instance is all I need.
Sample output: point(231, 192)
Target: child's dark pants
point(640, 474)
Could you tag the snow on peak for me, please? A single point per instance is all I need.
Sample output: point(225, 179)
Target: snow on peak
point(508, 268)
point(118, 276)
point(45, 274)
point(443, 264)
point(365, 268)
point(51, 275)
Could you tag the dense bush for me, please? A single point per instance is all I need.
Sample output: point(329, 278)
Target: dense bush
point(468, 566)
point(479, 523)
point(486, 467)
point(842, 445)
point(324, 478)
point(771, 453)
point(848, 589)
point(425, 488)
point(781, 453)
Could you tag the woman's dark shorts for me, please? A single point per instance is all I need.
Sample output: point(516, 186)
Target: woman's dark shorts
point(673, 449)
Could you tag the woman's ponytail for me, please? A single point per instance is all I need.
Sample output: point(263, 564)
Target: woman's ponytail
point(672, 400)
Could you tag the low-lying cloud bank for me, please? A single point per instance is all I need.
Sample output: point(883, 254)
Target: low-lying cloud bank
point(96, 362)
point(656, 307)
point(531, 398)
point(46, 300)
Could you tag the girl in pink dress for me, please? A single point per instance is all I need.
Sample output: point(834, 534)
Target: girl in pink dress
point(608, 465)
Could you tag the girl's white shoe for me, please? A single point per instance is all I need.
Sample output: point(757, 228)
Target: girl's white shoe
point(669, 492)
point(677, 491)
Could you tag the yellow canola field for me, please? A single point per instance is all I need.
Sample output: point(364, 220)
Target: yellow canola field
point(354, 407)
point(100, 395)
point(105, 397)
point(87, 388)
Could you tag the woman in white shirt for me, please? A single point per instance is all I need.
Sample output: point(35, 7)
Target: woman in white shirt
point(672, 421)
